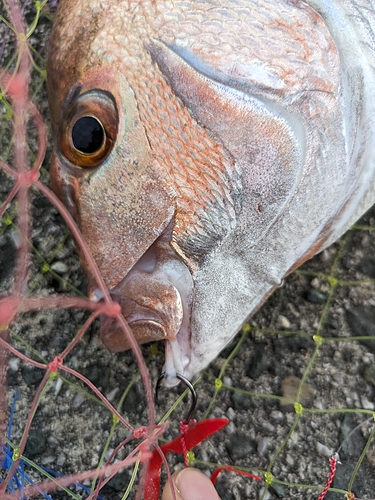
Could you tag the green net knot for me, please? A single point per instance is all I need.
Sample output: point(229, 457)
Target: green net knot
point(45, 268)
point(246, 328)
point(298, 408)
point(38, 5)
point(268, 477)
point(190, 457)
point(318, 339)
point(333, 281)
point(7, 219)
point(218, 384)
point(8, 114)
point(115, 420)
point(16, 454)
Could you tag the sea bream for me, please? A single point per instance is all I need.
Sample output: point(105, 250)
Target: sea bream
point(206, 149)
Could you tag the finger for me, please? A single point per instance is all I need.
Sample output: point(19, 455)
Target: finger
point(190, 484)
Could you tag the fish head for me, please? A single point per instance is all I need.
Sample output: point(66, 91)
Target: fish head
point(200, 148)
point(115, 188)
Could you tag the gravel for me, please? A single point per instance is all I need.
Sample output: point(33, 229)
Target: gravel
point(70, 427)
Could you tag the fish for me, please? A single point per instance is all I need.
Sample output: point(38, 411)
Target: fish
point(206, 149)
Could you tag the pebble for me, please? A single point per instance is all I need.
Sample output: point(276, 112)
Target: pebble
point(111, 395)
point(316, 297)
point(283, 322)
point(325, 255)
point(53, 441)
point(289, 389)
point(74, 362)
point(366, 404)
point(32, 375)
point(14, 364)
point(59, 267)
point(231, 414)
point(61, 459)
point(293, 310)
point(361, 321)
point(265, 495)
point(263, 445)
point(279, 490)
point(366, 267)
point(277, 415)
point(230, 428)
point(98, 375)
point(292, 343)
point(259, 362)
point(15, 236)
point(369, 374)
point(351, 444)
point(331, 322)
point(240, 446)
point(48, 460)
point(268, 426)
point(366, 359)
point(58, 385)
point(35, 444)
point(322, 449)
point(119, 481)
point(108, 453)
point(315, 283)
point(338, 378)
point(78, 400)
point(290, 460)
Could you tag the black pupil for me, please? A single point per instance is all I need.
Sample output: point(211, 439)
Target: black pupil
point(87, 135)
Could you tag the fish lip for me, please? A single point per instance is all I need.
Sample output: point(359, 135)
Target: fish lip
point(155, 298)
point(116, 339)
point(147, 323)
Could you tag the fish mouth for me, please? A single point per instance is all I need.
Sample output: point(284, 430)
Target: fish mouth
point(155, 298)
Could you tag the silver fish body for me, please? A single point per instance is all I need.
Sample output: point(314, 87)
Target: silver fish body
point(207, 149)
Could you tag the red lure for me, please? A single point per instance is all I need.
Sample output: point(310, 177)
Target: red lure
point(186, 441)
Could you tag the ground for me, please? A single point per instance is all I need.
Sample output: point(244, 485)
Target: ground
point(304, 331)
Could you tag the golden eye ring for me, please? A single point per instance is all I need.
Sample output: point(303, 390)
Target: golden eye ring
point(89, 129)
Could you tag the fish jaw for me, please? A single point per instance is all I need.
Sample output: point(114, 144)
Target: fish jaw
point(152, 309)
point(156, 301)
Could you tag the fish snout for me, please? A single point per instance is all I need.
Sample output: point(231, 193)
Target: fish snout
point(152, 307)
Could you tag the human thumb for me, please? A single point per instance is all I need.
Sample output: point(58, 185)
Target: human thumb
point(190, 484)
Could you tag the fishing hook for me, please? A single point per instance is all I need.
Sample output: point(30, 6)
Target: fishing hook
point(188, 384)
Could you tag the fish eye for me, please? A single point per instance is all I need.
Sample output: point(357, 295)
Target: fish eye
point(89, 129)
point(88, 135)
